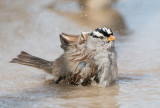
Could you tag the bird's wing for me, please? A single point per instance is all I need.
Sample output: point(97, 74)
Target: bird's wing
point(67, 39)
point(85, 71)
point(81, 69)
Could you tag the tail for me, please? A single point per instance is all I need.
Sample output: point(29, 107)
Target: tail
point(29, 60)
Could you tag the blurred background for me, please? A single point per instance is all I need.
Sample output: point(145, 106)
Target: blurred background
point(34, 26)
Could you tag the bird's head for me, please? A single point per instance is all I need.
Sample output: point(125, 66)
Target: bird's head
point(103, 33)
point(100, 38)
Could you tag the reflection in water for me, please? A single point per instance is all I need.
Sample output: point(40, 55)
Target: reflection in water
point(93, 14)
point(62, 95)
point(89, 96)
point(27, 25)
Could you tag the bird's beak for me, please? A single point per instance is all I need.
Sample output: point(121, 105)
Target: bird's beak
point(111, 38)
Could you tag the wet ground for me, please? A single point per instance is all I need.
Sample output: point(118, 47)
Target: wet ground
point(30, 26)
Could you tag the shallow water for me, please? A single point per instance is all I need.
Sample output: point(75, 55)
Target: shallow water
point(28, 25)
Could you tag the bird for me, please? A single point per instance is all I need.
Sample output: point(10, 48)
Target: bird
point(88, 58)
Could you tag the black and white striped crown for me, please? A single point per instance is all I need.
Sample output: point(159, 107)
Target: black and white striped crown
point(102, 32)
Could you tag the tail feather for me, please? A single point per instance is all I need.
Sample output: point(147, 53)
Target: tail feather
point(29, 60)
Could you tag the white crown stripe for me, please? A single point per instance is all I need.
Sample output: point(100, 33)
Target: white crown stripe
point(106, 30)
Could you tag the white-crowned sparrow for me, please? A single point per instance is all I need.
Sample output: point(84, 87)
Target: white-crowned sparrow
point(88, 57)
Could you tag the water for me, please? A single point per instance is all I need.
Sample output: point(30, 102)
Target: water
point(28, 25)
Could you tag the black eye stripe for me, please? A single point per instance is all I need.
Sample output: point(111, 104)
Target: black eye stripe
point(95, 36)
point(104, 33)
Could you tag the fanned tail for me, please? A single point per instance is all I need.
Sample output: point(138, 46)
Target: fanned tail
point(29, 60)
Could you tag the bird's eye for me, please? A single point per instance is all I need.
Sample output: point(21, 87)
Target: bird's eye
point(101, 37)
